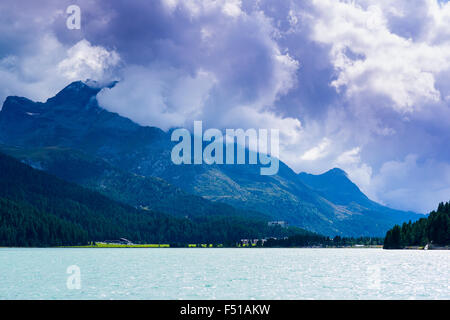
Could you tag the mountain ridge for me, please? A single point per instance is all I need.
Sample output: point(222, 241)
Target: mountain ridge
point(150, 193)
point(335, 185)
point(145, 151)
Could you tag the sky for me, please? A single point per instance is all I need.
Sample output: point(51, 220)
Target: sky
point(362, 85)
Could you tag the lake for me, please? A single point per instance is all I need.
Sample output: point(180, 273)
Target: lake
point(222, 273)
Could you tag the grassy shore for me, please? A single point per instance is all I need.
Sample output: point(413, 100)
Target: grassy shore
point(111, 245)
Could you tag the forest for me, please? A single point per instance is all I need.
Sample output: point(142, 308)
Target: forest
point(434, 229)
point(317, 240)
point(38, 209)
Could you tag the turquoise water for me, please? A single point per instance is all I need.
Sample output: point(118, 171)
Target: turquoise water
point(224, 274)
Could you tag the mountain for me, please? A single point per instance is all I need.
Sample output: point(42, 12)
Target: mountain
point(338, 188)
point(38, 209)
point(148, 193)
point(335, 186)
point(74, 120)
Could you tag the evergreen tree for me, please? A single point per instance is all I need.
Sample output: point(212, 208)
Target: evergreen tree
point(435, 229)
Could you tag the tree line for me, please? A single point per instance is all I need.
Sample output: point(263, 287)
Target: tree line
point(317, 240)
point(434, 229)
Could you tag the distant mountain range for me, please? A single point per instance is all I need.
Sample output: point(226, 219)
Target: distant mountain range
point(71, 136)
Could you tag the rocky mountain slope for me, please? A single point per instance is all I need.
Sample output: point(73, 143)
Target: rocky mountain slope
point(74, 120)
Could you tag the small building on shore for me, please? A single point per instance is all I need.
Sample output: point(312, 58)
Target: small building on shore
point(120, 241)
point(282, 224)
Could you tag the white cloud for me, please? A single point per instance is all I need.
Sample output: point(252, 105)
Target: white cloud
point(232, 8)
point(290, 129)
point(359, 172)
point(349, 157)
point(318, 151)
point(164, 98)
point(198, 8)
point(370, 59)
point(52, 65)
point(86, 61)
point(424, 189)
point(236, 76)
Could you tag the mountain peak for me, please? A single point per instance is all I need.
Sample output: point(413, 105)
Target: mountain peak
point(99, 84)
point(16, 100)
point(335, 185)
point(77, 93)
point(88, 84)
point(16, 105)
point(76, 85)
point(336, 172)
